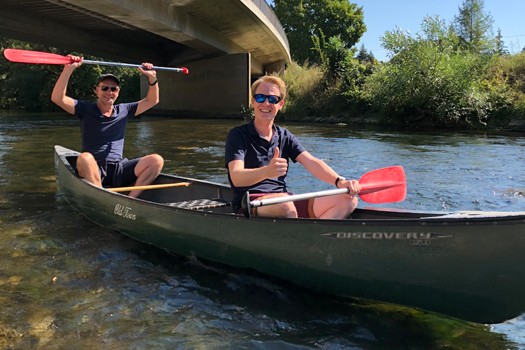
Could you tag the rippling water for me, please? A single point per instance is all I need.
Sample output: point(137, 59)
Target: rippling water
point(66, 283)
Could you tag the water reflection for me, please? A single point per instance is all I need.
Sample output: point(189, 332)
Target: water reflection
point(65, 281)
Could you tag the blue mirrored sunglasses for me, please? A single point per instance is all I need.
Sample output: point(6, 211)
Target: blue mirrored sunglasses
point(260, 98)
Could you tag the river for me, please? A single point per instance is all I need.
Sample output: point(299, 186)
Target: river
point(66, 283)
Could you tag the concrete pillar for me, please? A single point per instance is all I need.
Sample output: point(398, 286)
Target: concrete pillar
point(214, 88)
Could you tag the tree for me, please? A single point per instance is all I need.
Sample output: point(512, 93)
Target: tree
point(501, 49)
point(305, 20)
point(428, 81)
point(474, 27)
point(364, 56)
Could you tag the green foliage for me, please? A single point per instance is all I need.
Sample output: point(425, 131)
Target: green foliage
point(363, 56)
point(474, 27)
point(314, 91)
point(429, 81)
point(304, 89)
point(501, 49)
point(510, 71)
point(304, 20)
point(29, 86)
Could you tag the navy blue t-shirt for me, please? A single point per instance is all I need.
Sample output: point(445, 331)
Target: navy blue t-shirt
point(103, 136)
point(244, 143)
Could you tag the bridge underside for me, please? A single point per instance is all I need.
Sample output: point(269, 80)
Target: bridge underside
point(207, 36)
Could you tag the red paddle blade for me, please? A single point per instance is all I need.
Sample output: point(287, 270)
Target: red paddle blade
point(25, 56)
point(387, 185)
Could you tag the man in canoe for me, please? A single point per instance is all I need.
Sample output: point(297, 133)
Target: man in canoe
point(103, 125)
point(257, 155)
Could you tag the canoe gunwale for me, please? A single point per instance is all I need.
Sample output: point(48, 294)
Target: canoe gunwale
point(399, 216)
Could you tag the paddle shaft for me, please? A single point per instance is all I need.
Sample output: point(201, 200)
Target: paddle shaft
point(298, 197)
point(386, 185)
point(37, 57)
point(148, 187)
point(128, 65)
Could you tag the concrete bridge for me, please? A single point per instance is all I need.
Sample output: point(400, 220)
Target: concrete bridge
point(223, 43)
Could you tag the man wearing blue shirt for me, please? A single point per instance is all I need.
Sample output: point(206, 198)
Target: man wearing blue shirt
point(257, 155)
point(103, 125)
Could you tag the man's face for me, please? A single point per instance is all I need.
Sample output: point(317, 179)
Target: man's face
point(266, 110)
point(107, 91)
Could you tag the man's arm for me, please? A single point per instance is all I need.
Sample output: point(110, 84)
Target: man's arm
point(152, 98)
point(58, 96)
point(324, 172)
point(242, 177)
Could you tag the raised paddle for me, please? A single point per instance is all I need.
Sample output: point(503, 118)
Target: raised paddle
point(148, 187)
point(26, 56)
point(386, 185)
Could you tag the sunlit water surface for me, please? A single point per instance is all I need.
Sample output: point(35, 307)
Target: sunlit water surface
point(66, 283)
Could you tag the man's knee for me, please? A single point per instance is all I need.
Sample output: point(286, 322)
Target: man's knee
point(85, 161)
point(86, 158)
point(155, 160)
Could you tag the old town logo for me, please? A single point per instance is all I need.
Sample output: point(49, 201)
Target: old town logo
point(125, 212)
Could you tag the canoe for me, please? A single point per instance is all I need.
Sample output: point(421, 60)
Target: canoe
point(468, 265)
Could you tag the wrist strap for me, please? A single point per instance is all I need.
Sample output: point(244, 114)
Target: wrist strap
point(156, 81)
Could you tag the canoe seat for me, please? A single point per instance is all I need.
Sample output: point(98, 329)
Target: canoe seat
point(199, 204)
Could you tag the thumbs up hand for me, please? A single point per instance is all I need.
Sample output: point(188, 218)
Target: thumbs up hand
point(277, 167)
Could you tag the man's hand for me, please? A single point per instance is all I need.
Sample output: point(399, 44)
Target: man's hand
point(149, 72)
point(277, 167)
point(75, 62)
point(353, 185)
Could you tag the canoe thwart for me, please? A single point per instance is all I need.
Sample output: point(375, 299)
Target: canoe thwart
point(148, 187)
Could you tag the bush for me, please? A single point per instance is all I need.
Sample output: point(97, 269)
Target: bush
point(429, 81)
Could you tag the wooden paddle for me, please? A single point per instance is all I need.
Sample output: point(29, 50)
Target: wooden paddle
point(148, 187)
point(386, 185)
point(38, 57)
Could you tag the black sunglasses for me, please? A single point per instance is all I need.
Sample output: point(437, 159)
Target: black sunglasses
point(260, 98)
point(112, 88)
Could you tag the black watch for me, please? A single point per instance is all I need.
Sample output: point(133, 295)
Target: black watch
point(339, 178)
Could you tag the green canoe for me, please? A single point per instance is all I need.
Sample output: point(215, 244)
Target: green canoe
point(469, 265)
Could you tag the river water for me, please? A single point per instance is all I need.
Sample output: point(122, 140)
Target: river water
point(66, 283)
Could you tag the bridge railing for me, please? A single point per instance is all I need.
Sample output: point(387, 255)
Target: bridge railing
point(268, 12)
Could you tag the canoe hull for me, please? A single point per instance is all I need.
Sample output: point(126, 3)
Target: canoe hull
point(469, 266)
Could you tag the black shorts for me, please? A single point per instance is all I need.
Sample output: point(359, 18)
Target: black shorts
point(117, 174)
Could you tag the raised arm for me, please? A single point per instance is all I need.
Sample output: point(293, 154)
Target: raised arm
point(58, 96)
point(152, 98)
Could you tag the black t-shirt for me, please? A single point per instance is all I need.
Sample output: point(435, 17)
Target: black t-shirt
point(244, 143)
point(103, 136)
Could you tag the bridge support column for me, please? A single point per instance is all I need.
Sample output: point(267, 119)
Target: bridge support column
point(214, 88)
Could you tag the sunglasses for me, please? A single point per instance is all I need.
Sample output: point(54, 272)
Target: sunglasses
point(112, 88)
point(260, 98)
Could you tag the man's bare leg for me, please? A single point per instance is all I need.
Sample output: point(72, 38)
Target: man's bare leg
point(147, 170)
point(88, 169)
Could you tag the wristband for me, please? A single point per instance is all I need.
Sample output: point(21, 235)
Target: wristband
point(339, 178)
point(156, 81)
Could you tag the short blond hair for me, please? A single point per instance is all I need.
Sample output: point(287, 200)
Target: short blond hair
point(270, 79)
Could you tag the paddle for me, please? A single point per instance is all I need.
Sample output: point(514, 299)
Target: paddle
point(386, 185)
point(148, 187)
point(26, 56)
